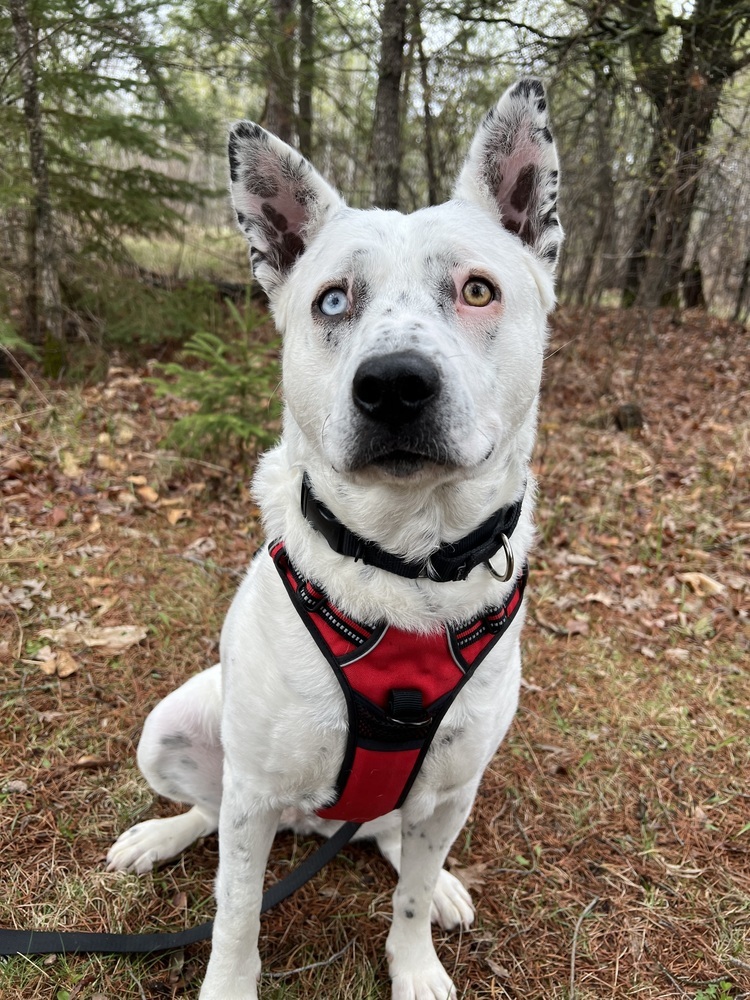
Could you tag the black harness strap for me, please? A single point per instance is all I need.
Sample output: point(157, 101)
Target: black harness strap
point(74, 942)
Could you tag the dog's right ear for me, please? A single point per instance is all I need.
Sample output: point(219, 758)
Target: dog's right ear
point(281, 201)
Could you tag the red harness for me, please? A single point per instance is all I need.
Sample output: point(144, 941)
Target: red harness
point(398, 686)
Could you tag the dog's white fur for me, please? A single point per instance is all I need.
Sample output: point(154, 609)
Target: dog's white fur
point(256, 743)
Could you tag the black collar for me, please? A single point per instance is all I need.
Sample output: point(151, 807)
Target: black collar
point(452, 561)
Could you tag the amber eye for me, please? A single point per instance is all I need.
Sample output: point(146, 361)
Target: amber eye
point(477, 292)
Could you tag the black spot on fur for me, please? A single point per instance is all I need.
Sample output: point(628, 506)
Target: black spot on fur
point(188, 763)
point(234, 163)
point(409, 914)
point(276, 219)
point(290, 248)
point(524, 189)
point(176, 741)
point(550, 254)
point(527, 87)
point(248, 130)
point(547, 135)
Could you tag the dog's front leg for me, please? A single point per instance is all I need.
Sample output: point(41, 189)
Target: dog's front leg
point(416, 971)
point(246, 833)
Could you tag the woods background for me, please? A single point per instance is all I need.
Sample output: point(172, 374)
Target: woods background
point(609, 847)
point(113, 118)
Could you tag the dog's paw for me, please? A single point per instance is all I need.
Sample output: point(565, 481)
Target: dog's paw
point(451, 904)
point(155, 841)
point(139, 849)
point(432, 984)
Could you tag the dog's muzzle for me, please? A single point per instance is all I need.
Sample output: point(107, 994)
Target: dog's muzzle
point(396, 397)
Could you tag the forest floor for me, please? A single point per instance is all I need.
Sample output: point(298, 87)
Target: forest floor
point(609, 848)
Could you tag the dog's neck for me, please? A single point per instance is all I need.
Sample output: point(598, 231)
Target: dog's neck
point(449, 562)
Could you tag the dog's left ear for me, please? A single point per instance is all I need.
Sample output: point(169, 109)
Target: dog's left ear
point(512, 169)
point(281, 201)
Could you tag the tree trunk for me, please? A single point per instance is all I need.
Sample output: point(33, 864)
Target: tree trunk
point(306, 75)
point(589, 274)
point(742, 304)
point(681, 143)
point(685, 94)
point(43, 284)
point(386, 136)
point(433, 196)
point(281, 71)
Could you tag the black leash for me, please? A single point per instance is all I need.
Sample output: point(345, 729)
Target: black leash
point(71, 942)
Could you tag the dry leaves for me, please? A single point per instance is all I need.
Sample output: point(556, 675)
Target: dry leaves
point(59, 663)
point(108, 639)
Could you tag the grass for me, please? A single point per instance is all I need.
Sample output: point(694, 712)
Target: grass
point(609, 848)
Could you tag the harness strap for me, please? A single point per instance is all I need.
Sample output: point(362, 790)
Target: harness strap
point(398, 686)
point(69, 942)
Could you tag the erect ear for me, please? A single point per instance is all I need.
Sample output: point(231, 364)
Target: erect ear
point(512, 169)
point(280, 199)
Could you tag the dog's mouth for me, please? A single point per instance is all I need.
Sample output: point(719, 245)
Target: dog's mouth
point(402, 462)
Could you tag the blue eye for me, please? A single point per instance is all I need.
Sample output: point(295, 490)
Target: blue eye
point(333, 302)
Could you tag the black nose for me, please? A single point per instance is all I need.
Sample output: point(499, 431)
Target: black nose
point(395, 388)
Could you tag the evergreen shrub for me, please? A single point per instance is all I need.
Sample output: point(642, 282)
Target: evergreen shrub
point(234, 379)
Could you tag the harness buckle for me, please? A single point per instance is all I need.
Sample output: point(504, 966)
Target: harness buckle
point(405, 708)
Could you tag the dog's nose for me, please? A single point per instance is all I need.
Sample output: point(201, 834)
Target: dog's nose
point(395, 388)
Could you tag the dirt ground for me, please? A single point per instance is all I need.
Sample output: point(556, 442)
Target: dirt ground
point(609, 848)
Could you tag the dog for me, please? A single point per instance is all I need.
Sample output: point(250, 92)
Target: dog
point(412, 359)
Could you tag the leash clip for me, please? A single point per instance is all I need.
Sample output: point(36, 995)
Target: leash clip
point(510, 562)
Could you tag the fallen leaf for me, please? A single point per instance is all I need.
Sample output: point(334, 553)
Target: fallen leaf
point(176, 514)
point(104, 604)
point(148, 494)
point(66, 665)
point(124, 434)
point(47, 661)
point(200, 547)
point(108, 639)
point(701, 584)
point(472, 876)
point(574, 559)
point(16, 785)
point(108, 463)
point(69, 466)
point(136, 480)
point(498, 970)
point(95, 582)
point(600, 598)
point(57, 516)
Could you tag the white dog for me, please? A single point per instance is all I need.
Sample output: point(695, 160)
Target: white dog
point(413, 350)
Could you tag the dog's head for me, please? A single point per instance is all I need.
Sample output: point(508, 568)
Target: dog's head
point(413, 344)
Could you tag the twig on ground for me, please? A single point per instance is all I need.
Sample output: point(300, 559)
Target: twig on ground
point(313, 965)
point(140, 988)
point(579, 922)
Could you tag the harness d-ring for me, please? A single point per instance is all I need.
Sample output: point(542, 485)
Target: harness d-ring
point(510, 562)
